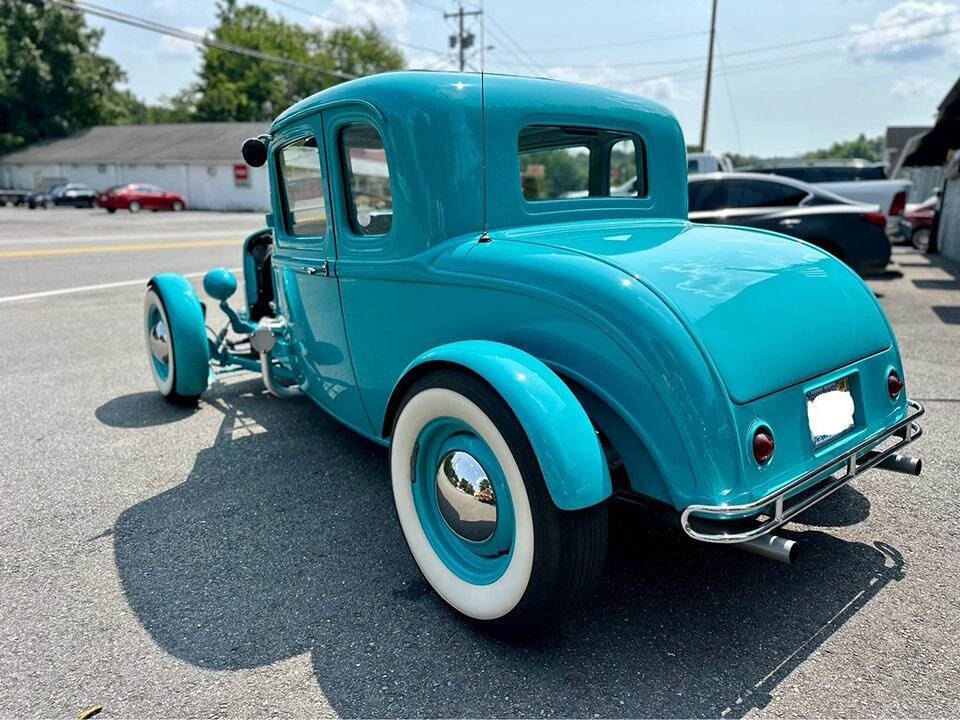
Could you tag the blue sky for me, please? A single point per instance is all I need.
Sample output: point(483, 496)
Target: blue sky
point(790, 76)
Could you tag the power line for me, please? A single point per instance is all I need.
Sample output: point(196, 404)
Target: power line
point(307, 11)
point(733, 109)
point(519, 51)
point(772, 62)
point(762, 48)
point(201, 40)
point(604, 46)
point(429, 6)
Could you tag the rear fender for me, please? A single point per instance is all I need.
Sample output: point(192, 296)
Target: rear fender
point(558, 428)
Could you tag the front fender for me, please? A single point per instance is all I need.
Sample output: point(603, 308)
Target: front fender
point(560, 433)
point(188, 332)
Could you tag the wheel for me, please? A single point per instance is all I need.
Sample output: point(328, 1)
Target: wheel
point(134, 206)
point(111, 210)
point(477, 515)
point(177, 206)
point(178, 364)
point(91, 204)
point(921, 239)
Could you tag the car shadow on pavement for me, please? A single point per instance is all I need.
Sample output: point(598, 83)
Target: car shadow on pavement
point(139, 410)
point(282, 540)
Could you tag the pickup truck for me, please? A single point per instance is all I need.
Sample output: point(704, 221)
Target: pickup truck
point(856, 180)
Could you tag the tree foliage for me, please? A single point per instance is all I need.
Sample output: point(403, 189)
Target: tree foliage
point(237, 87)
point(52, 79)
point(862, 147)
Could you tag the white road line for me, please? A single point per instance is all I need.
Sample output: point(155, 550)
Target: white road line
point(239, 233)
point(91, 288)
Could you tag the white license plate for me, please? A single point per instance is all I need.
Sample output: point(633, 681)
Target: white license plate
point(830, 411)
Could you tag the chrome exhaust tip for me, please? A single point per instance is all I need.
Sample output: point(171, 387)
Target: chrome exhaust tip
point(771, 546)
point(902, 464)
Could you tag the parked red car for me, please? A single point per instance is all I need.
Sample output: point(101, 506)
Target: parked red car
point(139, 196)
point(920, 219)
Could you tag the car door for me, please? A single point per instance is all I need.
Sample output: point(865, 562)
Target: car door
point(304, 266)
point(762, 202)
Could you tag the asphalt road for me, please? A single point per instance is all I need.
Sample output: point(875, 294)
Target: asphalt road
point(243, 559)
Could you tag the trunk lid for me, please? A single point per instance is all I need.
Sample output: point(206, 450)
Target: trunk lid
point(769, 310)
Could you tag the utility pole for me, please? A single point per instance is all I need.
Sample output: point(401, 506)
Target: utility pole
point(462, 40)
point(706, 94)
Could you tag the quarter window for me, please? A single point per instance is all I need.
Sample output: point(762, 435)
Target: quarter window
point(367, 178)
point(302, 181)
point(573, 162)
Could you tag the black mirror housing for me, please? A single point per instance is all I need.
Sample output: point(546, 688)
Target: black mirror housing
point(254, 152)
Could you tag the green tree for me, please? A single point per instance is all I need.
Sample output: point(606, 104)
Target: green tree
point(862, 147)
point(237, 87)
point(52, 79)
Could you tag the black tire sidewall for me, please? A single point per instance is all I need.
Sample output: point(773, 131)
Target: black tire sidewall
point(544, 599)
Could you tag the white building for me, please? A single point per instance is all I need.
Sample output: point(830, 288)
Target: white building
point(201, 161)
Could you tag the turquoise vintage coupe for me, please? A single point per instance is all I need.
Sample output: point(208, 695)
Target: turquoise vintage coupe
point(434, 276)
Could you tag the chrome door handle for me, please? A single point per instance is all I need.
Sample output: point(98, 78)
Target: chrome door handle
point(324, 269)
point(790, 222)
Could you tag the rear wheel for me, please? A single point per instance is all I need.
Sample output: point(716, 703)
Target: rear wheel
point(921, 239)
point(476, 513)
point(134, 206)
point(111, 210)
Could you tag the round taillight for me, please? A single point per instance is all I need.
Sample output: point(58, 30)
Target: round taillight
point(894, 384)
point(763, 444)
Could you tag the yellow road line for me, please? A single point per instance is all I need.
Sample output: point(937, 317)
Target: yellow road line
point(40, 252)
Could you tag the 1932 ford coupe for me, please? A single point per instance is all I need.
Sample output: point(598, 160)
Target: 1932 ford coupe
point(433, 276)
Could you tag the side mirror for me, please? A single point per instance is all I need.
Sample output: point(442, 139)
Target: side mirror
point(220, 284)
point(254, 152)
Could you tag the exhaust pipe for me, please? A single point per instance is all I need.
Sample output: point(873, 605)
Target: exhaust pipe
point(771, 546)
point(902, 464)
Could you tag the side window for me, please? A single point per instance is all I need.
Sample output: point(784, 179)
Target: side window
point(555, 173)
point(704, 195)
point(305, 208)
point(367, 179)
point(761, 193)
point(626, 175)
point(576, 162)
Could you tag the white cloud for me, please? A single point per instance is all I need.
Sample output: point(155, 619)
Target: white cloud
point(171, 48)
point(914, 86)
point(389, 15)
point(662, 89)
point(910, 30)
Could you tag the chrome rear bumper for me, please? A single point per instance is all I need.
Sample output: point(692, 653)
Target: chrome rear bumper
point(778, 509)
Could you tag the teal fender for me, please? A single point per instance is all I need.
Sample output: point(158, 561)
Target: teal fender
point(560, 433)
point(191, 351)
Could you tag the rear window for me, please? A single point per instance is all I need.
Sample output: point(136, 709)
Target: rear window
point(573, 162)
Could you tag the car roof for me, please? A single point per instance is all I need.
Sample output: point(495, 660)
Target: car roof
point(423, 88)
point(772, 177)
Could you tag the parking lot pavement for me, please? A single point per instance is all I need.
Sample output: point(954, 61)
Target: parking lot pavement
point(242, 558)
point(44, 250)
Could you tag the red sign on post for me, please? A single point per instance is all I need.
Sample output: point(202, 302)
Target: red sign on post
point(241, 175)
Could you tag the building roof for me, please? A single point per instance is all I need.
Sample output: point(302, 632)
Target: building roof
point(897, 135)
point(215, 142)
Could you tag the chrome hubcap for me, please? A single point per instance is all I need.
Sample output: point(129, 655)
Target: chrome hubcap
point(160, 342)
point(465, 495)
